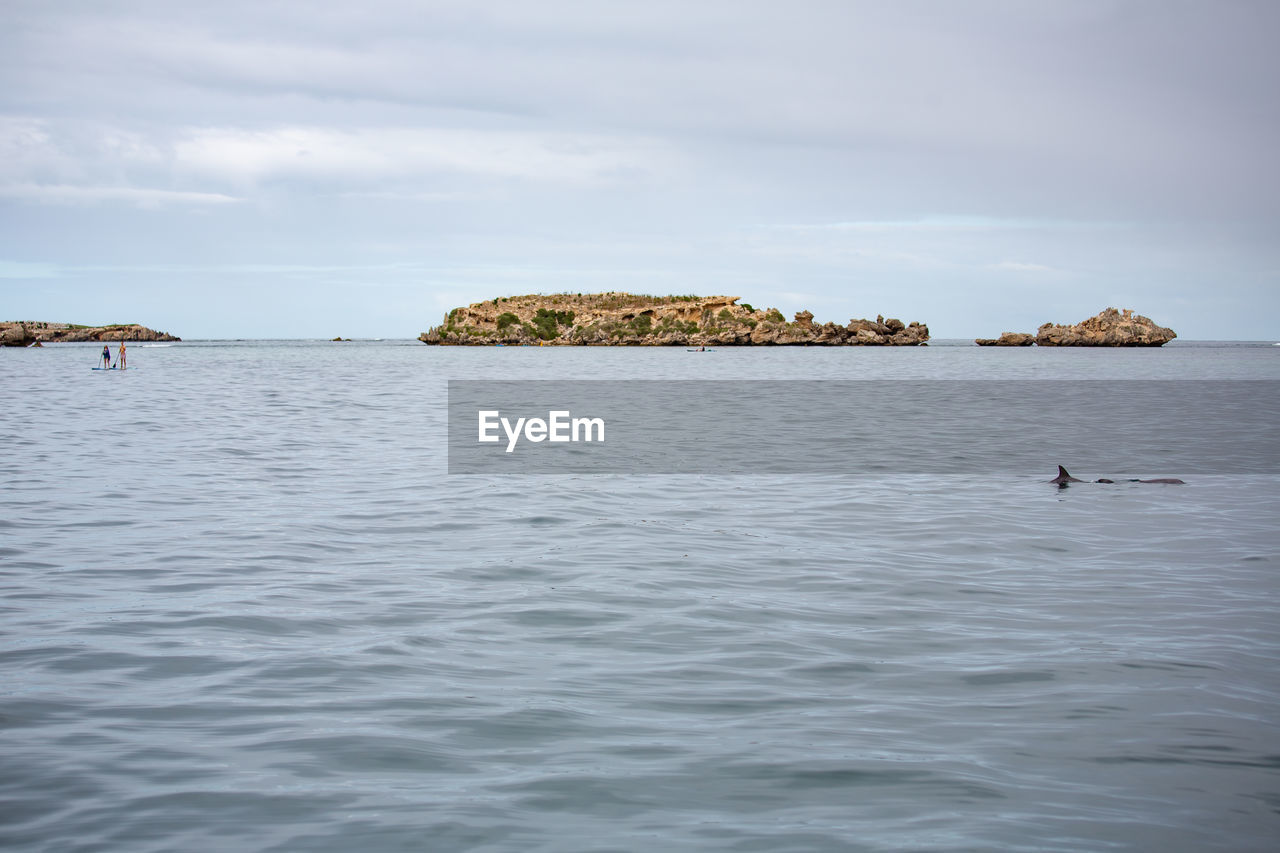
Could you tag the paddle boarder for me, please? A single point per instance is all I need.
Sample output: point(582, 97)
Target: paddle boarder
point(106, 356)
point(120, 356)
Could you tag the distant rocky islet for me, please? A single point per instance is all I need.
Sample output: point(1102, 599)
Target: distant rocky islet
point(23, 333)
point(628, 319)
point(1109, 328)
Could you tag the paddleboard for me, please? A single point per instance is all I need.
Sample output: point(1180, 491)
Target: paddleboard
point(112, 368)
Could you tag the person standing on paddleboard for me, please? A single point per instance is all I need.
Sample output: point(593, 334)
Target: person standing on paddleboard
point(120, 356)
point(106, 355)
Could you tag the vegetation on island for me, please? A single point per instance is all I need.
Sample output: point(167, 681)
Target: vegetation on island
point(629, 319)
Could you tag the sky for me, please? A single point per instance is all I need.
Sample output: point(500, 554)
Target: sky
point(300, 169)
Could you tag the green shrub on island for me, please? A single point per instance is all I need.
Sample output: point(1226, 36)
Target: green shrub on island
point(546, 323)
point(670, 324)
point(505, 319)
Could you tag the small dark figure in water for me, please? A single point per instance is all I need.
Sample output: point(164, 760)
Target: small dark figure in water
point(106, 355)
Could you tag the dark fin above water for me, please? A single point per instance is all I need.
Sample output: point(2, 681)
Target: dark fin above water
point(1063, 477)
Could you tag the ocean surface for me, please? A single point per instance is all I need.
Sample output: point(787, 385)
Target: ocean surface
point(244, 608)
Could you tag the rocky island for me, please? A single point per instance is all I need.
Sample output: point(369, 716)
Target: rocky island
point(27, 333)
point(627, 319)
point(1110, 328)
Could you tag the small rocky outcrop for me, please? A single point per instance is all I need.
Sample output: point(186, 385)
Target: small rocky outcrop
point(626, 319)
point(1111, 328)
point(886, 332)
point(1008, 339)
point(70, 333)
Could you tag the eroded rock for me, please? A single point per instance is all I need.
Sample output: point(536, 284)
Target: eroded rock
point(1008, 339)
point(69, 333)
point(1110, 328)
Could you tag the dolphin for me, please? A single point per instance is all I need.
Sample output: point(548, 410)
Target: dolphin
point(1063, 478)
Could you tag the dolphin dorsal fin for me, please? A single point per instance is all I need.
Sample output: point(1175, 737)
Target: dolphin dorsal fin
point(1062, 472)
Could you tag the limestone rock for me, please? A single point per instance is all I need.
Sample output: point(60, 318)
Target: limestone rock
point(1008, 339)
point(830, 333)
point(66, 332)
point(1111, 328)
point(916, 334)
point(16, 335)
point(891, 332)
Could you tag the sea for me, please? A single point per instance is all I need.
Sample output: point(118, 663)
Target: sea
point(245, 607)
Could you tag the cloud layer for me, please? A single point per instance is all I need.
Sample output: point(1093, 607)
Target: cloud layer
point(976, 165)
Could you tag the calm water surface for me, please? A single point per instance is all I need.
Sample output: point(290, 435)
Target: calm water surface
point(242, 607)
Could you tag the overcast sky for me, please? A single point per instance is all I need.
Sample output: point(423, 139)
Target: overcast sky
point(303, 169)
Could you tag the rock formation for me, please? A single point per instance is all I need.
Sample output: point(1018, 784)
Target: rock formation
point(625, 319)
point(1008, 339)
point(1111, 328)
point(16, 335)
point(66, 332)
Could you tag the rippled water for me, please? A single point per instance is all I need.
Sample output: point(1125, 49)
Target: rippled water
point(244, 608)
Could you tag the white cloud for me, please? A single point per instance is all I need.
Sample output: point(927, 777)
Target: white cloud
point(140, 196)
point(379, 153)
point(76, 161)
point(982, 150)
point(1021, 267)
